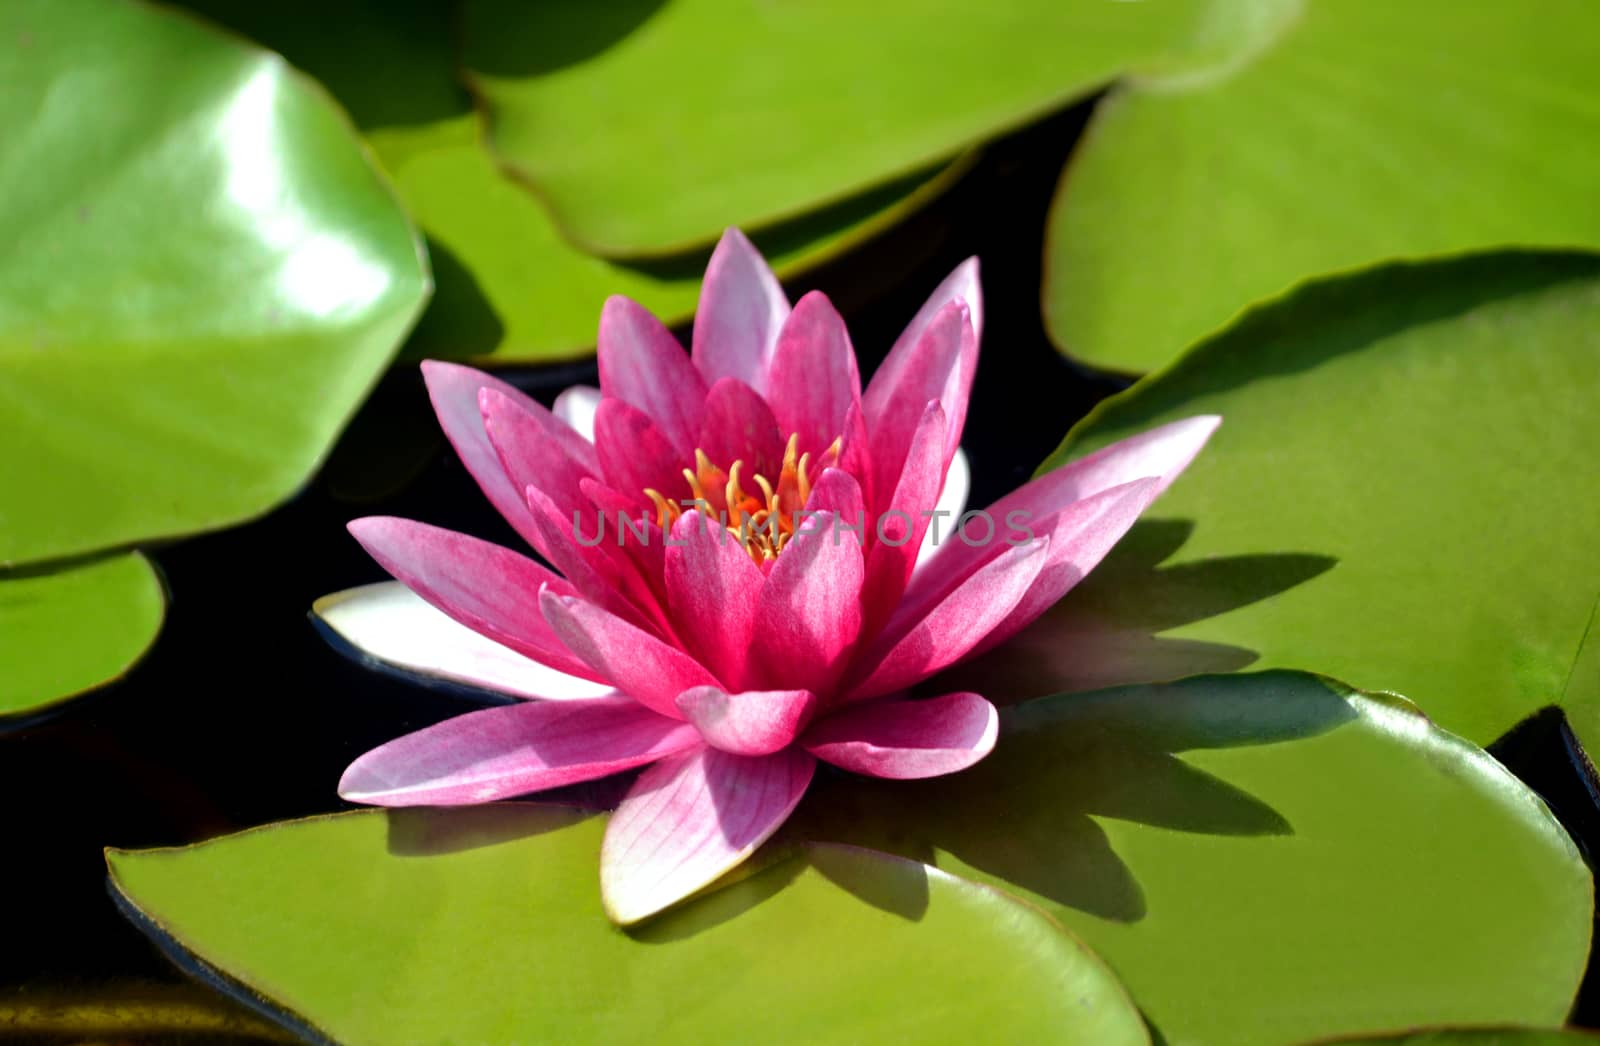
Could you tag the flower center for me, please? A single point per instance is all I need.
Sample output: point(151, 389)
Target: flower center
point(758, 512)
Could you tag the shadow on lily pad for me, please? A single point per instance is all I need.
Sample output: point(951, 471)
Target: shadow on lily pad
point(1027, 815)
point(1105, 632)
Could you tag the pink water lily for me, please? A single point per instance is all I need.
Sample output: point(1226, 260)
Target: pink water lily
point(733, 589)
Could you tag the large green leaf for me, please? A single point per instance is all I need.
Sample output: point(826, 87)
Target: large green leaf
point(203, 279)
point(484, 925)
point(649, 126)
point(1424, 438)
point(1477, 1037)
point(1260, 858)
point(510, 287)
point(68, 629)
point(1360, 131)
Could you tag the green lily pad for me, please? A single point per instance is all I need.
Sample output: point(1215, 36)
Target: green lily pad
point(1424, 438)
point(484, 925)
point(1260, 858)
point(1477, 1037)
point(204, 278)
point(1353, 133)
point(68, 629)
point(649, 127)
point(510, 288)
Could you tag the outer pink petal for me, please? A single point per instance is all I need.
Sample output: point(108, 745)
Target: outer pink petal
point(642, 364)
point(1162, 452)
point(952, 503)
point(756, 722)
point(937, 366)
point(739, 426)
point(905, 519)
point(576, 406)
point(1080, 537)
point(593, 562)
point(808, 616)
point(454, 392)
point(712, 587)
point(907, 739)
point(636, 662)
point(742, 309)
point(489, 589)
point(512, 750)
point(689, 819)
point(635, 454)
point(814, 380)
point(536, 448)
point(952, 628)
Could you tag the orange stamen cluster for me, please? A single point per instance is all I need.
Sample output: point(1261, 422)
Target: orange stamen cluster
point(761, 519)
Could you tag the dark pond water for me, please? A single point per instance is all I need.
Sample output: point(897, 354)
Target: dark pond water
point(242, 714)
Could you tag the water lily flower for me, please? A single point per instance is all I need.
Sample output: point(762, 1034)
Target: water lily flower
point(733, 589)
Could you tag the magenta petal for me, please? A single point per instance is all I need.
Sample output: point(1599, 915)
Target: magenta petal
point(756, 722)
point(902, 523)
point(739, 426)
point(642, 364)
point(592, 561)
point(837, 491)
point(907, 739)
point(454, 391)
point(712, 584)
point(808, 615)
point(940, 366)
point(631, 659)
point(520, 748)
point(961, 285)
point(576, 406)
point(814, 380)
point(1080, 537)
point(538, 449)
point(689, 819)
point(742, 309)
point(636, 455)
point(491, 590)
point(951, 629)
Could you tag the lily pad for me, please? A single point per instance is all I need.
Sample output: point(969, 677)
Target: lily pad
point(1352, 133)
point(1260, 858)
point(68, 629)
point(510, 288)
point(650, 127)
point(204, 279)
point(1424, 435)
point(1477, 1037)
point(484, 925)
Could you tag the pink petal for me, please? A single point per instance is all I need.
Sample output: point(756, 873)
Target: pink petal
point(538, 449)
point(633, 660)
point(808, 616)
point(689, 819)
point(1080, 537)
point(636, 455)
point(907, 739)
point(902, 523)
point(961, 285)
point(739, 426)
point(592, 560)
point(814, 380)
point(512, 750)
point(940, 366)
point(454, 392)
point(742, 309)
point(855, 453)
point(576, 406)
point(712, 586)
point(1162, 452)
point(389, 624)
point(489, 589)
point(952, 628)
point(642, 364)
point(756, 722)
point(837, 491)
